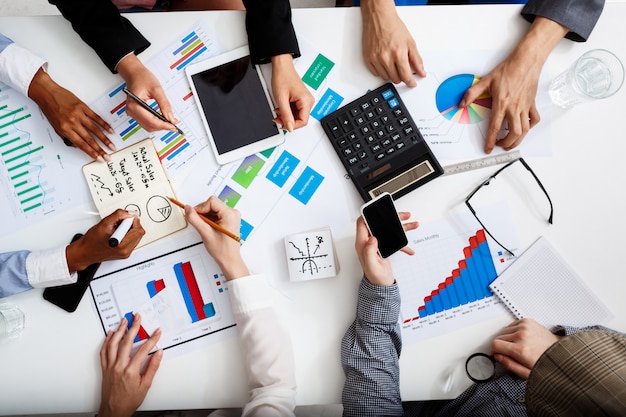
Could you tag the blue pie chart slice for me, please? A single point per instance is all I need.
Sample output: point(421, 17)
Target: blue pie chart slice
point(450, 93)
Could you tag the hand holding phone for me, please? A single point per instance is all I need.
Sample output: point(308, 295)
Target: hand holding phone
point(383, 222)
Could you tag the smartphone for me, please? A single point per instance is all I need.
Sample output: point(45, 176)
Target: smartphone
point(382, 220)
point(68, 296)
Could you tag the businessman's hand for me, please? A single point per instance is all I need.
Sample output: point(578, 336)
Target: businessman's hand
point(141, 82)
point(377, 269)
point(124, 384)
point(293, 99)
point(519, 345)
point(94, 247)
point(389, 50)
point(224, 249)
point(70, 117)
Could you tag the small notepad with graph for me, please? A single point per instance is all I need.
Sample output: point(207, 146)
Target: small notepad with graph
point(542, 286)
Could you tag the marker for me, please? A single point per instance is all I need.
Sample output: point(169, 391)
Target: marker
point(150, 109)
point(120, 232)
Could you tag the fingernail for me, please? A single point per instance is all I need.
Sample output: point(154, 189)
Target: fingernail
point(100, 159)
point(112, 147)
point(290, 126)
point(107, 157)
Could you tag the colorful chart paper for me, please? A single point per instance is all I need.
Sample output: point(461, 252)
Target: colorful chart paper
point(449, 95)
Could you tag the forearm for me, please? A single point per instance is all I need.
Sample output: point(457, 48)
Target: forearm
point(100, 25)
point(578, 16)
point(555, 386)
point(535, 47)
point(270, 31)
point(266, 348)
point(370, 351)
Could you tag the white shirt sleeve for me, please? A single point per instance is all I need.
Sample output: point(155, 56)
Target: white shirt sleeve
point(48, 268)
point(266, 347)
point(18, 66)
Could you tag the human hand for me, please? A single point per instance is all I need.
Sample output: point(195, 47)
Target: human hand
point(519, 345)
point(94, 247)
point(293, 99)
point(71, 118)
point(224, 249)
point(124, 385)
point(389, 50)
point(141, 82)
point(513, 85)
point(377, 269)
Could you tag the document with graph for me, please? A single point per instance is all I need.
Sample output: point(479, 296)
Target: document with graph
point(174, 286)
point(37, 170)
point(542, 286)
point(134, 180)
point(445, 285)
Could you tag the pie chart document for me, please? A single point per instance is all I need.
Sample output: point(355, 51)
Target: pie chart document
point(455, 133)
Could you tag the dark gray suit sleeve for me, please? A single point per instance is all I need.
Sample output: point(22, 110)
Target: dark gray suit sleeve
point(579, 16)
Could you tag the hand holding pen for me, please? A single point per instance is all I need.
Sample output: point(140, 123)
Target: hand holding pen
point(94, 246)
point(221, 246)
point(144, 84)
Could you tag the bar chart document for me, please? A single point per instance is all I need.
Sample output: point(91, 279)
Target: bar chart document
point(183, 292)
point(37, 171)
point(175, 150)
point(445, 285)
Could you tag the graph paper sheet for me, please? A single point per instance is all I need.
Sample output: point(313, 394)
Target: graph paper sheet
point(542, 286)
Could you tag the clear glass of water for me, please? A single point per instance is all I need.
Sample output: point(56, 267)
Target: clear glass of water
point(596, 74)
point(12, 321)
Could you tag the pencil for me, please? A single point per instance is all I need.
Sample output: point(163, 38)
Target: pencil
point(209, 222)
point(150, 109)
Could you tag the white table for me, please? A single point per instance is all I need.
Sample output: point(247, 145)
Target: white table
point(54, 365)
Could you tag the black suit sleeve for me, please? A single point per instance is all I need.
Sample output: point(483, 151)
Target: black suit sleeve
point(270, 31)
point(100, 25)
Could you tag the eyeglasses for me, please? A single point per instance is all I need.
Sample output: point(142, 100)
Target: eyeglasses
point(488, 180)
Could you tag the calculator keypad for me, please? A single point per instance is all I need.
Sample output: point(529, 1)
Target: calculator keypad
point(370, 129)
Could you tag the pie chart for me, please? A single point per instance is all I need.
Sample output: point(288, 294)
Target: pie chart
point(449, 95)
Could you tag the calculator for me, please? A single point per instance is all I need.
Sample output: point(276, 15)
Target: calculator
point(380, 145)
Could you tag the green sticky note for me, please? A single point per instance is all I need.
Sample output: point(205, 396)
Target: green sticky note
point(318, 71)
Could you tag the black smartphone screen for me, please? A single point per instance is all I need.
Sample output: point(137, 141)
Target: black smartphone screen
point(68, 296)
point(384, 224)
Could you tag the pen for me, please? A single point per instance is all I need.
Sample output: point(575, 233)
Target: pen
point(209, 221)
point(120, 232)
point(150, 109)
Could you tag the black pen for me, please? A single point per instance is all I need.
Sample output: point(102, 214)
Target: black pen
point(150, 109)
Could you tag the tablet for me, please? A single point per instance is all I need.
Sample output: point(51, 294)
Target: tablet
point(235, 105)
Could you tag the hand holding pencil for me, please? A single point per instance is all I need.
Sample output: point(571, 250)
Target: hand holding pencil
point(219, 240)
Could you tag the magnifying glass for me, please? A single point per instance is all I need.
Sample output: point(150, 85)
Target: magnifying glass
point(480, 367)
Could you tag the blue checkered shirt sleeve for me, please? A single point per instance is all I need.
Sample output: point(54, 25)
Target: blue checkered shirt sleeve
point(369, 354)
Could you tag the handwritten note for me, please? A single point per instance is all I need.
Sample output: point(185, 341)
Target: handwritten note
point(134, 180)
point(311, 255)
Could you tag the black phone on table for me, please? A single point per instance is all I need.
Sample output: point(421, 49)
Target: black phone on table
point(68, 296)
point(383, 222)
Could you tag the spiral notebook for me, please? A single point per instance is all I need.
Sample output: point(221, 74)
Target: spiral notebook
point(542, 286)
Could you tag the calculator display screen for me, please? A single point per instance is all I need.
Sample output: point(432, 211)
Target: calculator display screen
point(403, 180)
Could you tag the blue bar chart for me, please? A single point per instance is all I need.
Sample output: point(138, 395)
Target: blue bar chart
point(466, 284)
point(444, 285)
point(182, 292)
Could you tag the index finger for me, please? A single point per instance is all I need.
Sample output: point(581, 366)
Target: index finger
point(284, 112)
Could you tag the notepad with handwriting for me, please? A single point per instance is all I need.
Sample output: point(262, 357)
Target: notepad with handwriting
point(135, 180)
point(542, 286)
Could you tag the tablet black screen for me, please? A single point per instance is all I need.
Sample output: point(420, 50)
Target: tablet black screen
point(234, 104)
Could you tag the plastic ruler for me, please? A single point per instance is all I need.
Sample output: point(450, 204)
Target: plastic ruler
point(485, 162)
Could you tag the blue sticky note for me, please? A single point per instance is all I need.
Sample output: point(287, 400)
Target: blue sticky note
point(329, 102)
point(306, 185)
point(282, 169)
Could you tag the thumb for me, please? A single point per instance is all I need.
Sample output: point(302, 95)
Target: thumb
point(152, 367)
point(192, 217)
point(474, 92)
point(286, 115)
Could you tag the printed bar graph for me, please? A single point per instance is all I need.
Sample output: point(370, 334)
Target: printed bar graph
point(141, 334)
point(155, 287)
point(466, 284)
point(196, 307)
point(191, 47)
